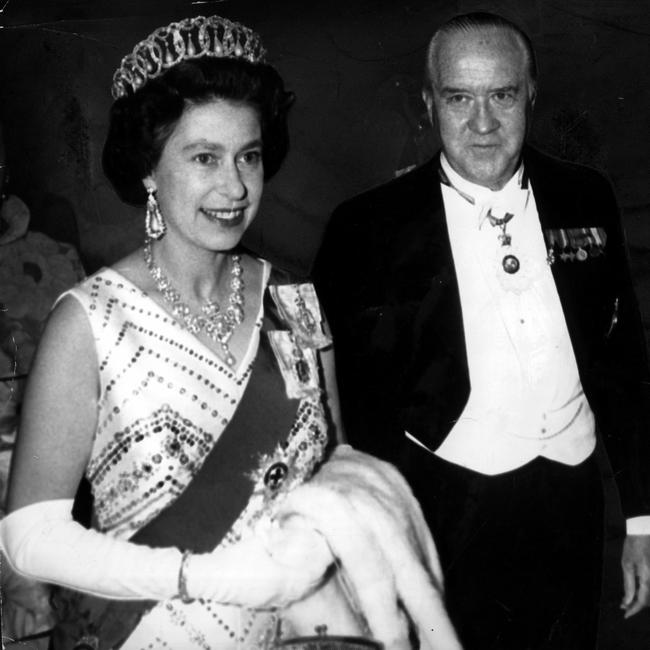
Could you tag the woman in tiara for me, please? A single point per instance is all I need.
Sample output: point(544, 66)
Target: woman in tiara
point(192, 384)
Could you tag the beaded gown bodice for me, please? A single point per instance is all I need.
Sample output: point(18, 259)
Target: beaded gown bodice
point(165, 399)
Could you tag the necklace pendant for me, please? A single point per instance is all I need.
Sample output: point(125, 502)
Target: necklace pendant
point(217, 325)
point(505, 239)
point(510, 264)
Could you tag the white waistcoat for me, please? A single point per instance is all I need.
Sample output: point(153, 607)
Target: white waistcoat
point(526, 399)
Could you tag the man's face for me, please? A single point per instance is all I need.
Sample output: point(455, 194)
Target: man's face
point(480, 101)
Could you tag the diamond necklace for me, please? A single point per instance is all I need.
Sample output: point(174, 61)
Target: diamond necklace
point(218, 325)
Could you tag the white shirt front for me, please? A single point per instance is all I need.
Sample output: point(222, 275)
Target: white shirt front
point(526, 399)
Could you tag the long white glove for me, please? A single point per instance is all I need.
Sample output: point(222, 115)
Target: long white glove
point(246, 573)
point(42, 541)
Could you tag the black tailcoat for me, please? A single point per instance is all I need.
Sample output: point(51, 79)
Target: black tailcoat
point(385, 275)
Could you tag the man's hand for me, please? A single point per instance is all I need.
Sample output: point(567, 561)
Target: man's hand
point(636, 574)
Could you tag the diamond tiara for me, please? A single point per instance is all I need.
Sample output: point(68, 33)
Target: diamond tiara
point(191, 38)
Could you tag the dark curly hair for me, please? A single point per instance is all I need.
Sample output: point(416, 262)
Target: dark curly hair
point(141, 122)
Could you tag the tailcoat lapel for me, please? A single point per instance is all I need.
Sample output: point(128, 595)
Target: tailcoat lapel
point(585, 288)
point(436, 385)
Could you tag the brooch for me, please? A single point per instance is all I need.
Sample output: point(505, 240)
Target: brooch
point(295, 349)
point(299, 308)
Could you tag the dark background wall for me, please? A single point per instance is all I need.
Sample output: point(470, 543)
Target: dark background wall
point(356, 69)
point(355, 66)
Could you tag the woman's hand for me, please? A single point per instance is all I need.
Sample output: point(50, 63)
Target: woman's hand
point(375, 528)
point(26, 606)
point(270, 569)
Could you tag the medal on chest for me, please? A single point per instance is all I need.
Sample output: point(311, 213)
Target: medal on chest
point(514, 266)
point(509, 262)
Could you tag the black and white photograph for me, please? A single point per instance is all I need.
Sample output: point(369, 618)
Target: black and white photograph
point(325, 325)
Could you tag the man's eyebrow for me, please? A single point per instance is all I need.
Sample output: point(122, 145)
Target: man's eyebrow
point(512, 88)
point(452, 90)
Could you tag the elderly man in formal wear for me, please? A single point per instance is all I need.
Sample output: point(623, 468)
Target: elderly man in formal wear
point(489, 343)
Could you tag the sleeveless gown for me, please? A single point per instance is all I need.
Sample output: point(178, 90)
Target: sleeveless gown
point(165, 402)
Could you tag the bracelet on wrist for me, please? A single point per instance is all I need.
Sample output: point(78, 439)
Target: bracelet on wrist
point(182, 578)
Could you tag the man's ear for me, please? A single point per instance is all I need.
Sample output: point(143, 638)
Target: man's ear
point(529, 109)
point(427, 97)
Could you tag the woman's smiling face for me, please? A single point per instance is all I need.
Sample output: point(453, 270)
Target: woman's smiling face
point(210, 175)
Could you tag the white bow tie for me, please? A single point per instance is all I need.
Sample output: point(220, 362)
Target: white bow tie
point(492, 206)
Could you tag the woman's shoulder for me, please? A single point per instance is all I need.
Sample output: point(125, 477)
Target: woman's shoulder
point(68, 335)
point(102, 287)
point(133, 269)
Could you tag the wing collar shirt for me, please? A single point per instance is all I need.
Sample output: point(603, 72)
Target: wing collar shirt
point(526, 399)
